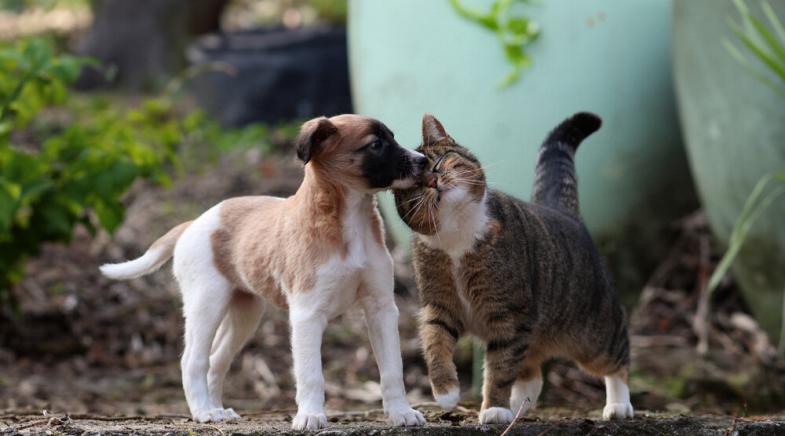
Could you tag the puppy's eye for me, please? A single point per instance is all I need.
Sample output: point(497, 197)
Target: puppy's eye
point(375, 145)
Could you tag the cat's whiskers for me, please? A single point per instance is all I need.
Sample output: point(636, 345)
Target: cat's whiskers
point(414, 198)
point(413, 210)
point(464, 181)
point(432, 219)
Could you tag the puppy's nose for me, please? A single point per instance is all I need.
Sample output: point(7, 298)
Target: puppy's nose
point(420, 162)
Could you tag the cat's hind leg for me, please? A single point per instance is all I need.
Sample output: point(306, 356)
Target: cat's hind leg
point(617, 400)
point(526, 389)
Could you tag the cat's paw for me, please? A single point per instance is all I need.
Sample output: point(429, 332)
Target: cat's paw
point(309, 421)
point(448, 400)
point(405, 417)
point(215, 415)
point(617, 411)
point(496, 415)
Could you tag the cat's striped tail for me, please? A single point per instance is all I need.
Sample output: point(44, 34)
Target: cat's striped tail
point(555, 182)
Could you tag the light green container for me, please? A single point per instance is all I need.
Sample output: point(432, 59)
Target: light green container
point(735, 132)
point(611, 57)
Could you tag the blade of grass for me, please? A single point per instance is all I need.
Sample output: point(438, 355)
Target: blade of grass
point(761, 75)
point(781, 343)
point(768, 37)
point(752, 209)
point(759, 51)
point(775, 22)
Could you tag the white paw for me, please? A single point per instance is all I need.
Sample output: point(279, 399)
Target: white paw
point(405, 417)
point(496, 415)
point(215, 415)
point(230, 415)
point(309, 421)
point(617, 411)
point(524, 404)
point(449, 400)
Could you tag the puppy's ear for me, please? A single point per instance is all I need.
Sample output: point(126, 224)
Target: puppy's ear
point(312, 136)
point(432, 130)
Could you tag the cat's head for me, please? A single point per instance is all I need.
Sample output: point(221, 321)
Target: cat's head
point(455, 179)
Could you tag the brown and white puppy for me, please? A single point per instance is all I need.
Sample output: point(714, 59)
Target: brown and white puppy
point(318, 252)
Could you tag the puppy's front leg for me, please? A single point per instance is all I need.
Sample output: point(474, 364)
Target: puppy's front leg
point(307, 331)
point(381, 315)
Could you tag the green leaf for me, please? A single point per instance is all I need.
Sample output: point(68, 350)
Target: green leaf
point(775, 22)
point(110, 214)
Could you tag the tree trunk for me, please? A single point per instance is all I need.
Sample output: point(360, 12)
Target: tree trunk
point(141, 43)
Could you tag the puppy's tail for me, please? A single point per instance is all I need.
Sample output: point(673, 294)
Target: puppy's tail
point(153, 258)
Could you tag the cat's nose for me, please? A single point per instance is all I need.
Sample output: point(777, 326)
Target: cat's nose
point(429, 180)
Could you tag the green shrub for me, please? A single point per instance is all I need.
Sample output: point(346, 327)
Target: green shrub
point(53, 178)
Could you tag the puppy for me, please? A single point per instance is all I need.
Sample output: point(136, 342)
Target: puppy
point(317, 253)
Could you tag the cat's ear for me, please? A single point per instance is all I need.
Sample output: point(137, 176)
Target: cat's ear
point(432, 130)
point(313, 135)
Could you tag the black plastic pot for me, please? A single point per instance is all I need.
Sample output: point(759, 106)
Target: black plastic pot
point(277, 74)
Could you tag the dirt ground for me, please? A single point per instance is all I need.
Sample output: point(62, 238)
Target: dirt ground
point(86, 355)
point(460, 422)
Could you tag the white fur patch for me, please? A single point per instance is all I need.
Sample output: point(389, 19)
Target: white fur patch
point(496, 415)
point(524, 395)
point(152, 259)
point(449, 400)
point(617, 402)
point(461, 222)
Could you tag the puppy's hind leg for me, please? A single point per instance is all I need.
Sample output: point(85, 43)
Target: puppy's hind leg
point(204, 306)
point(239, 324)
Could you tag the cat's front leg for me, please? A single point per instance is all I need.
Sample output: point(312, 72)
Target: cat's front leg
point(503, 360)
point(440, 328)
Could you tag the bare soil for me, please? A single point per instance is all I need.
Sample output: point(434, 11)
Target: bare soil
point(461, 422)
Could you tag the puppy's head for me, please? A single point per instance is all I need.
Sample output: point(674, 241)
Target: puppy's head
point(359, 152)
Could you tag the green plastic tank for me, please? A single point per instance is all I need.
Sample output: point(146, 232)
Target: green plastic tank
point(735, 133)
point(611, 57)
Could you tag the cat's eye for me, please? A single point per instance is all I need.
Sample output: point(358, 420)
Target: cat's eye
point(436, 167)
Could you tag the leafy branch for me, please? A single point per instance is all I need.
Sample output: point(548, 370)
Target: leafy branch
point(515, 32)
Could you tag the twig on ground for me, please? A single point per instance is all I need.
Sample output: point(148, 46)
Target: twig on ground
point(216, 429)
point(517, 415)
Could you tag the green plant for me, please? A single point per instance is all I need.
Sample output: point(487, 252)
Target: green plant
point(765, 43)
point(332, 11)
point(761, 197)
point(514, 31)
point(54, 178)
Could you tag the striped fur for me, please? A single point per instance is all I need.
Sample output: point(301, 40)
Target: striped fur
point(530, 283)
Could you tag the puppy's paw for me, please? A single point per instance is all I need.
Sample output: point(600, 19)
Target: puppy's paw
point(496, 415)
point(309, 421)
point(448, 400)
point(618, 411)
point(211, 415)
point(405, 417)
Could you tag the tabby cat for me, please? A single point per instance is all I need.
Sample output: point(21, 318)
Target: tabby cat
point(525, 278)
